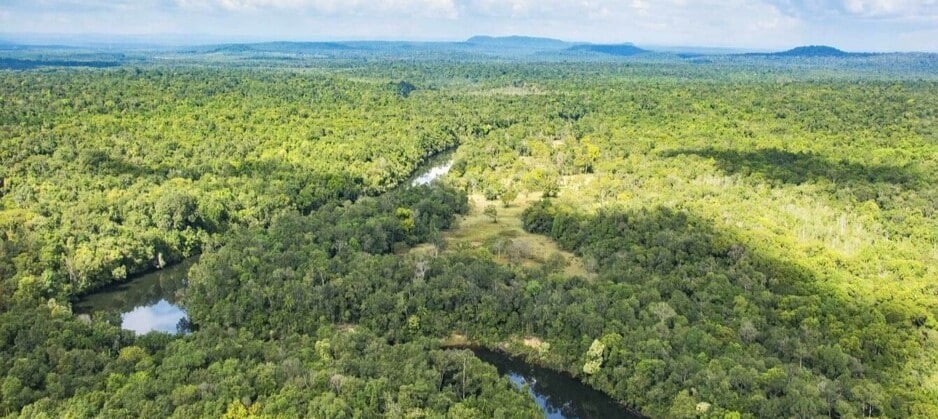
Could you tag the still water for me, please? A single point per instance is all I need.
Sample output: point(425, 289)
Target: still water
point(559, 396)
point(433, 169)
point(144, 304)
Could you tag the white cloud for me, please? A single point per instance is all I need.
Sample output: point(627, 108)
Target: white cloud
point(422, 8)
point(161, 316)
point(896, 10)
point(891, 8)
point(535, 8)
point(745, 23)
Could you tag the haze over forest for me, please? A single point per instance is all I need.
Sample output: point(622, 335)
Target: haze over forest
point(856, 25)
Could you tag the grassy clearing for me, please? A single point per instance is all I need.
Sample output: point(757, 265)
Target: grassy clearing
point(506, 238)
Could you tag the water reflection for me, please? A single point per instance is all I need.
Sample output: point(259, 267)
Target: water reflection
point(162, 316)
point(433, 174)
point(433, 169)
point(559, 396)
point(148, 303)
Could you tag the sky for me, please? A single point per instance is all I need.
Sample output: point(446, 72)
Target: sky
point(854, 25)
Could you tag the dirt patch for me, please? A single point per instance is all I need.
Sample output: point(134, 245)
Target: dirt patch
point(532, 342)
point(456, 340)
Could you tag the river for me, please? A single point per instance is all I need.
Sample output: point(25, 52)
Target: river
point(147, 303)
point(433, 169)
point(153, 302)
point(558, 395)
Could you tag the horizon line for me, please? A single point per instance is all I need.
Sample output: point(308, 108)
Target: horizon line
point(43, 39)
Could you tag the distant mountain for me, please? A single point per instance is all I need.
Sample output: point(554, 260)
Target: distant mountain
point(18, 64)
point(622, 50)
point(695, 51)
point(814, 51)
point(517, 42)
point(282, 47)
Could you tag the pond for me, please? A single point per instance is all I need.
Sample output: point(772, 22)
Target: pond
point(558, 395)
point(147, 303)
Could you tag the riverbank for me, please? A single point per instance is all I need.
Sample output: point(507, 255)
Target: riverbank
point(150, 299)
point(560, 394)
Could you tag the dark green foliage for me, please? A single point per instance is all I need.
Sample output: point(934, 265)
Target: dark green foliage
point(97, 370)
point(677, 304)
point(797, 168)
point(697, 292)
point(312, 258)
point(404, 89)
point(760, 232)
point(301, 367)
point(106, 171)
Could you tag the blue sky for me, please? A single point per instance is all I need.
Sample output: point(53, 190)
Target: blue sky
point(872, 25)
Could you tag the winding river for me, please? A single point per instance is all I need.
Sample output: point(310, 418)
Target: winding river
point(153, 302)
point(434, 168)
point(558, 395)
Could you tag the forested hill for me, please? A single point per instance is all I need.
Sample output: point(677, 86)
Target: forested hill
point(286, 47)
point(814, 51)
point(617, 49)
point(17, 64)
point(518, 41)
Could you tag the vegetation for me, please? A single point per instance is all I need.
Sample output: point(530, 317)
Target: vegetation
point(107, 174)
point(506, 240)
point(96, 370)
point(820, 217)
point(745, 237)
point(815, 51)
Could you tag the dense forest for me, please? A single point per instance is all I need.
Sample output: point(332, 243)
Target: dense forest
point(758, 236)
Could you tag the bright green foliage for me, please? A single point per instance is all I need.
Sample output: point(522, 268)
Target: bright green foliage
point(764, 238)
point(107, 173)
point(594, 357)
point(508, 196)
point(224, 373)
point(491, 212)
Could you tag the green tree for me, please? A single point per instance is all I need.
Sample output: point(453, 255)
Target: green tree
point(491, 212)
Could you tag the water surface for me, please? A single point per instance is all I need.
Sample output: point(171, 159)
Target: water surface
point(152, 302)
point(147, 303)
point(558, 395)
point(433, 169)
